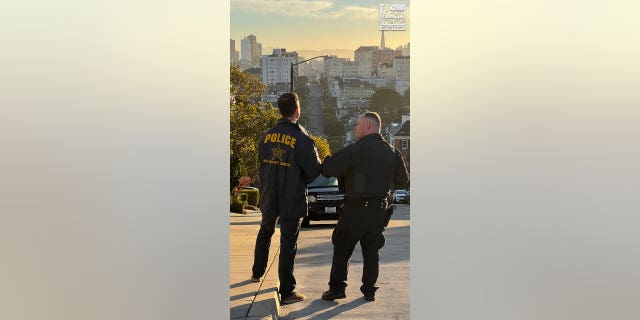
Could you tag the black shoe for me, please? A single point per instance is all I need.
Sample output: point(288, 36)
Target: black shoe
point(255, 279)
point(370, 298)
point(293, 298)
point(330, 295)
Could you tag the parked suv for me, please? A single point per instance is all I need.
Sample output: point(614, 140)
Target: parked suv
point(400, 196)
point(325, 200)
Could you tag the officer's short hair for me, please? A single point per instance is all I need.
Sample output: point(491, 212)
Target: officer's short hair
point(374, 117)
point(287, 103)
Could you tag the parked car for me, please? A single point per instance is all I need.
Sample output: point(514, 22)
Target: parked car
point(400, 196)
point(325, 200)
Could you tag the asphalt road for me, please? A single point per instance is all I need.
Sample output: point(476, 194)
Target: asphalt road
point(315, 123)
point(313, 264)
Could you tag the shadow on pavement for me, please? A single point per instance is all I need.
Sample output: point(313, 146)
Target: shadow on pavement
point(245, 223)
point(318, 308)
point(239, 312)
point(320, 226)
point(240, 284)
point(242, 296)
point(396, 239)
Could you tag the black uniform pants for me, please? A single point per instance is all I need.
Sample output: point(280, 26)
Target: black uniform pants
point(364, 224)
point(289, 230)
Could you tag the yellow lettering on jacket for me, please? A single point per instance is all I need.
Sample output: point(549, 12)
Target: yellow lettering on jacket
point(280, 138)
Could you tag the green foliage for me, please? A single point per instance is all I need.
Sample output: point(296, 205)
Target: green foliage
point(253, 196)
point(389, 104)
point(406, 98)
point(237, 205)
point(332, 126)
point(234, 173)
point(249, 119)
point(322, 145)
point(335, 143)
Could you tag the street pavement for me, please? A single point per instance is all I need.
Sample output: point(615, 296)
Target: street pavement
point(249, 300)
point(315, 116)
point(313, 263)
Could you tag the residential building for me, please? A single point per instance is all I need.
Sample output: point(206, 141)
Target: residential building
point(276, 68)
point(400, 137)
point(334, 88)
point(402, 86)
point(385, 70)
point(401, 68)
point(364, 56)
point(350, 70)
point(385, 56)
point(333, 67)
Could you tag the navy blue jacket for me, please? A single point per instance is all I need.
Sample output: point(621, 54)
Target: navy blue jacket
point(288, 162)
point(368, 167)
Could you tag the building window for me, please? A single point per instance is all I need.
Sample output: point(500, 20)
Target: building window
point(404, 144)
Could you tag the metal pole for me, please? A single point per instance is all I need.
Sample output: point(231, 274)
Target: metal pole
point(292, 77)
point(295, 64)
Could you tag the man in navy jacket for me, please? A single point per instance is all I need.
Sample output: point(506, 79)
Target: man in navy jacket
point(288, 162)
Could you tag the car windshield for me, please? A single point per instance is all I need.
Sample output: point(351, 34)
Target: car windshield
point(322, 181)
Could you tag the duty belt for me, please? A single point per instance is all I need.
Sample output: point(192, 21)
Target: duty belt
point(367, 201)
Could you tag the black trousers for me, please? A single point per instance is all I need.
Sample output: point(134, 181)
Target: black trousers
point(289, 230)
point(364, 224)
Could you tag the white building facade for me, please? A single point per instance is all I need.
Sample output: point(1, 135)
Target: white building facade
point(276, 68)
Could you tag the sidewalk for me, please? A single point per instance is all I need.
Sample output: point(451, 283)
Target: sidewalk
point(250, 300)
point(313, 264)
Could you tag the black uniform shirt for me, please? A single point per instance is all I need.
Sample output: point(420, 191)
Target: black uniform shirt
point(369, 167)
point(288, 162)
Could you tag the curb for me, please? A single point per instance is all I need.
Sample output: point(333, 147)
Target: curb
point(266, 305)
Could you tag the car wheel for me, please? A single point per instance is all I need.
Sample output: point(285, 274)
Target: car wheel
point(305, 223)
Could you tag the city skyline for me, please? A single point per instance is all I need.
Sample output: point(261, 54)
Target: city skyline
point(299, 25)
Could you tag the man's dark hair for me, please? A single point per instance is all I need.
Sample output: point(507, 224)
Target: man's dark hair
point(287, 103)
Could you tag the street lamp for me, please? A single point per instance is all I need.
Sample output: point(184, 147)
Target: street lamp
point(297, 63)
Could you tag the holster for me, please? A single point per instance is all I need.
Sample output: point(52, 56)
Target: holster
point(389, 212)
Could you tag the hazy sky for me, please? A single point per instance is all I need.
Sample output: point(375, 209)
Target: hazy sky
point(313, 24)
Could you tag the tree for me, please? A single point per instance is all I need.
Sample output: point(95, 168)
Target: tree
point(332, 126)
point(302, 91)
point(322, 145)
point(249, 119)
point(389, 104)
point(406, 98)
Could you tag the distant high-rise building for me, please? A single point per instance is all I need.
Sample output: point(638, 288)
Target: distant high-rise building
point(233, 53)
point(256, 54)
point(405, 49)
point(232, 50)
point(276, 68)
point(251, 50)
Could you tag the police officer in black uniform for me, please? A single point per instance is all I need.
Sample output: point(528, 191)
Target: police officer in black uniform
point(368, 168)
point(288, 162)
